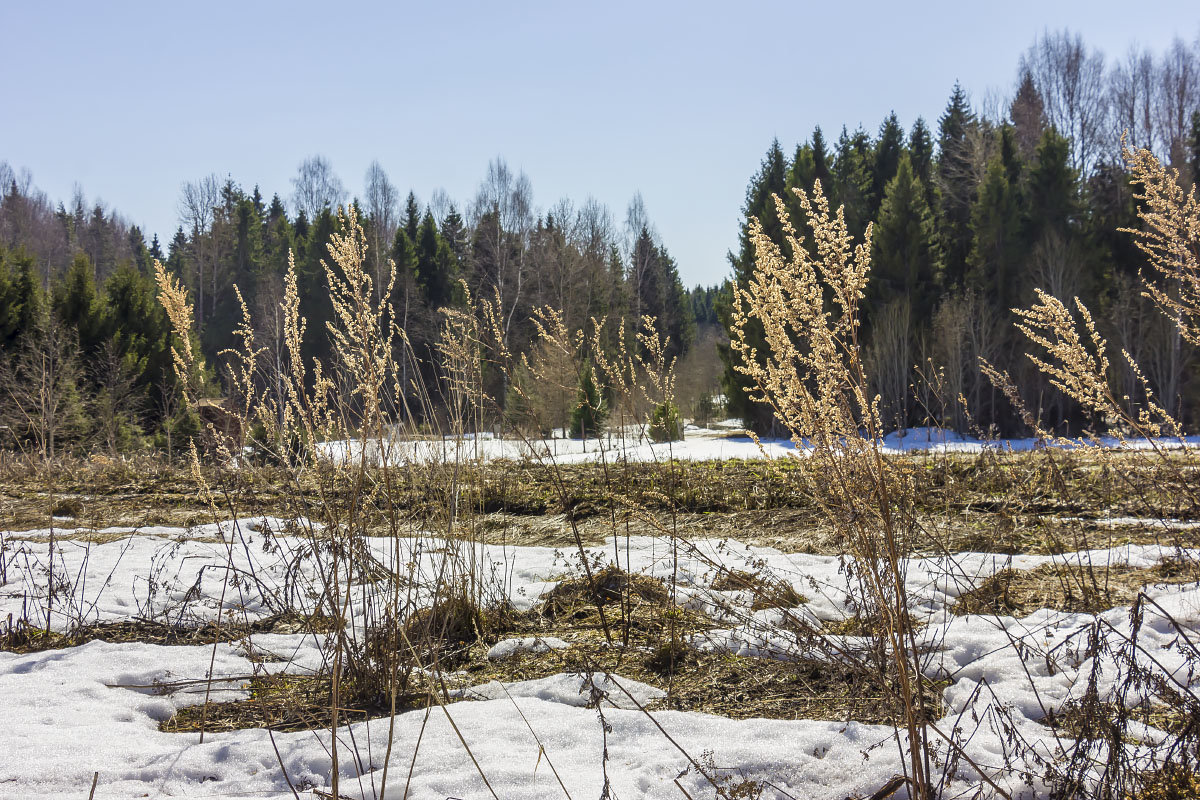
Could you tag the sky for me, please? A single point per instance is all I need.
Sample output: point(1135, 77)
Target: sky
point(679, 101)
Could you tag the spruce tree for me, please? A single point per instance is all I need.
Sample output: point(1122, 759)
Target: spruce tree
point(411, 222)
point(904, 260)
point(78, 307)
point(770, 180)
point(998, 250)
point(28, 301)
point(957, 184)
point(8, 302)
point(887, 160)
point(434, 265)
point(853, 178)
point(591, 411)
point(820, 158)
point(664, 298)
point(920, 151)
point(1028, 115)
point(1194, 148)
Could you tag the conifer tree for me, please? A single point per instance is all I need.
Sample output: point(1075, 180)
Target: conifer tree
point(1194, 148)
point(820, 157)
point(887, 159)
point(433, 265)
point(998, 250)
point(591, 411)
point(920, 152)
point(1028, 115)
point(770, 180)
point(411, 221)
point(78, 307)
point(853, 177)
point(27, 298)
point(904, 260)
point(957, 184)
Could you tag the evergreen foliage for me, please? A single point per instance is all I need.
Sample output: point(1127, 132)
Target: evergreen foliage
point(587, 420)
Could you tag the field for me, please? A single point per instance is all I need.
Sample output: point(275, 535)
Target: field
point(610, 628)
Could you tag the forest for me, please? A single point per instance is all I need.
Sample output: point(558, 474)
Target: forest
point(969, 214)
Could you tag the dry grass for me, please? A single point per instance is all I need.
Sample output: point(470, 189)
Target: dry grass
point(24, 639)
point(1018, 593)
point(710, 682)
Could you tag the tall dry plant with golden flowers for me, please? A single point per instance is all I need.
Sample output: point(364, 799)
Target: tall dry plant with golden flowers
point(814, 378)
point(1107, 757)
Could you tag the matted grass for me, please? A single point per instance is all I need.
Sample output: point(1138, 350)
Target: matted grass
point(1090, 590)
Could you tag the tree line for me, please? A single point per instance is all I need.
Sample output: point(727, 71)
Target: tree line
point(78, 284)
point(969, 218)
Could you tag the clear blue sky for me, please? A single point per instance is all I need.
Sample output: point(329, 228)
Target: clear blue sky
point(677, 100)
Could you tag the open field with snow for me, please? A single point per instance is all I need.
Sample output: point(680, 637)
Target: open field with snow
point(722, 441)
point(704, 640)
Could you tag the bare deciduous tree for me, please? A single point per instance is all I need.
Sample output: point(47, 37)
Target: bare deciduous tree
point(1178, 97)
point(1070, 79)
point(1134, 88)
point(503, 216)
point(316, 187)
point(197, 210)
point(382, 201)
point(889, 361)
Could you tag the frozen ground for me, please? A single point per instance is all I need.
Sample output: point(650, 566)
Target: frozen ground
point(96, 708)
point(723, 441)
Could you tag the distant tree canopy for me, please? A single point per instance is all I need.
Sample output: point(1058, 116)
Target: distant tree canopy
point(1031, 196)
point(88, 275)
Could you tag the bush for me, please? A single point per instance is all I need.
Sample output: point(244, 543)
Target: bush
point(666, 425)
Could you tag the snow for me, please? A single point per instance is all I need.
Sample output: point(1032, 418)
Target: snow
point(722, 442)
point(507, 648)
point(96, 707)
point(581, 690)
